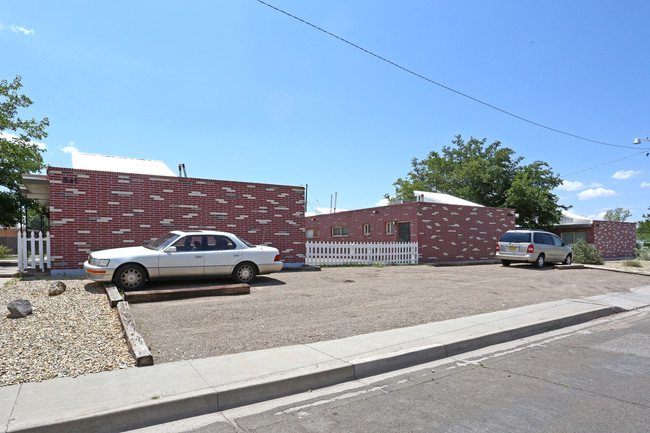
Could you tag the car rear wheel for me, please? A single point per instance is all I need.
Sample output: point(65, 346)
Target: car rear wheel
point(505, 262)
point(131, 277)
point(244, 272)
point(540, 262)
point(568, 260)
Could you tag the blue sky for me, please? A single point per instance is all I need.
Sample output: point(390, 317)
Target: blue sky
point(238, 91)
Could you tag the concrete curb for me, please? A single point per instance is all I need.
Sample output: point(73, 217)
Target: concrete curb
point(135, 398)
point(623, 271)
point(568, 267)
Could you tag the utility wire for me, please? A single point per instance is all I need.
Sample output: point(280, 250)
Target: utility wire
point(604, 164)
point(442, 85)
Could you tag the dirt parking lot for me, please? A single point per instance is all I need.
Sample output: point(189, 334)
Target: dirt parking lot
point(302, 307)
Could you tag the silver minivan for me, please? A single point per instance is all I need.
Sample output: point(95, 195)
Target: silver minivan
point(532, 246)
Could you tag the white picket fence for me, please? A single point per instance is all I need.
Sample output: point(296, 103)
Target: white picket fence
point(33, 251)
point(367, 253)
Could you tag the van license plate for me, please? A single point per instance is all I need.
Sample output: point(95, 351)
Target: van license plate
point(512, 248)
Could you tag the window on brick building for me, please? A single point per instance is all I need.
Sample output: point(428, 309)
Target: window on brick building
point(390, 228)
point(573, 237)
point(366, 229)
point(312, 233)
point(340, 231)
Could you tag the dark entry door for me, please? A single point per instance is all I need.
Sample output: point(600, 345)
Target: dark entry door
point(404, 232)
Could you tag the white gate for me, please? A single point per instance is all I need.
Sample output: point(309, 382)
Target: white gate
point(366, 253)
point(33, 251)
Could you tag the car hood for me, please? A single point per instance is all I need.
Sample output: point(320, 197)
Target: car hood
point(124, 252)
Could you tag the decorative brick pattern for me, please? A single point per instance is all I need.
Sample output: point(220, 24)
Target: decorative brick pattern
point(445, 233)
point(95, 210)
point(615, 239)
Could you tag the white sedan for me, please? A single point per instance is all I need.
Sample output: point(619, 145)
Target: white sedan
point(198, 253)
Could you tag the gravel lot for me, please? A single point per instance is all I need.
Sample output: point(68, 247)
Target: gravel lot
point(70, 334)
point(302, 307)
point(77, 332)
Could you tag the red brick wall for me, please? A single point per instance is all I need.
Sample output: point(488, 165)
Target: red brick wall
point(445, 233)
point(94, 210)
point(615, 239)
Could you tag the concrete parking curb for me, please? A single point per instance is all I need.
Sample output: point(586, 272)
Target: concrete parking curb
point(623, 271)
point(134, 398)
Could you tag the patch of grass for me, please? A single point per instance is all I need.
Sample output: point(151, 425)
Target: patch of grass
point(632, 263)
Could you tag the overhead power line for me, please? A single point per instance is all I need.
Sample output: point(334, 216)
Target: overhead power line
point(494, 107)
point(605, 163)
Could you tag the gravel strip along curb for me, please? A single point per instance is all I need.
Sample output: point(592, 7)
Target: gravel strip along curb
point(68, 335)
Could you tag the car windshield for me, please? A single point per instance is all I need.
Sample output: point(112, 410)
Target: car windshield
point(516, 237)
point(245, 242)
point(162, 242)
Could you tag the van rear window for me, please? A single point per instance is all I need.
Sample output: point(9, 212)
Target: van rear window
point(516, 237)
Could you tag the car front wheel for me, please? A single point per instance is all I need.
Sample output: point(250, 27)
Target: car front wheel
point(539, 263)
point(568, 260)
point(131, 277)
point(244, 273)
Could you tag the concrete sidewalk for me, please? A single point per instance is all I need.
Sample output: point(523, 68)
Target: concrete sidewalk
point(136, 397)
point(8, 269)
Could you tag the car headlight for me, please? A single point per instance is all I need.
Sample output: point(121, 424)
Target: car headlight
point(98, 262)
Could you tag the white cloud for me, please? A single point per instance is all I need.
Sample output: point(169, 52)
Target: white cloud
point(596, 193)
point(23, 30)
point(382, 202)
point(568, 185)
point(11, 137)
point(70, 148)
point(645, 184)
point(598, 216)
point(625, 174)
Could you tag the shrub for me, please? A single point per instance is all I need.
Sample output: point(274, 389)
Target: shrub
point(4, 252)
point(643, 253)
point(632, 263)
point(586, 253)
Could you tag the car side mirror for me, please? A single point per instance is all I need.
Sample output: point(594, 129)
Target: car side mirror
point(171, 249)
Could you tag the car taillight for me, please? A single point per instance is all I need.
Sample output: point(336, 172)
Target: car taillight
point(531, 248)
point(277, 258)
point(497, 247)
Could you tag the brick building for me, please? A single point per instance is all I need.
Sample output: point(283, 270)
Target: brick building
point(93, 210)
point(445, 232)
point(613, 240)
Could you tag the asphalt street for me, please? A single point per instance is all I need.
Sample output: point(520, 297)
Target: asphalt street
point(592, 377)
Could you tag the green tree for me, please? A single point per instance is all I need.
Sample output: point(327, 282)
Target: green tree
point(38, 219)
point(490, 175)
point(18, 153)
point(643, 228)
point(619, 214)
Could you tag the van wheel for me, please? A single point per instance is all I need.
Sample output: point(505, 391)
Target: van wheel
point(539, 263)
point(568, 260)
point(505, 263)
